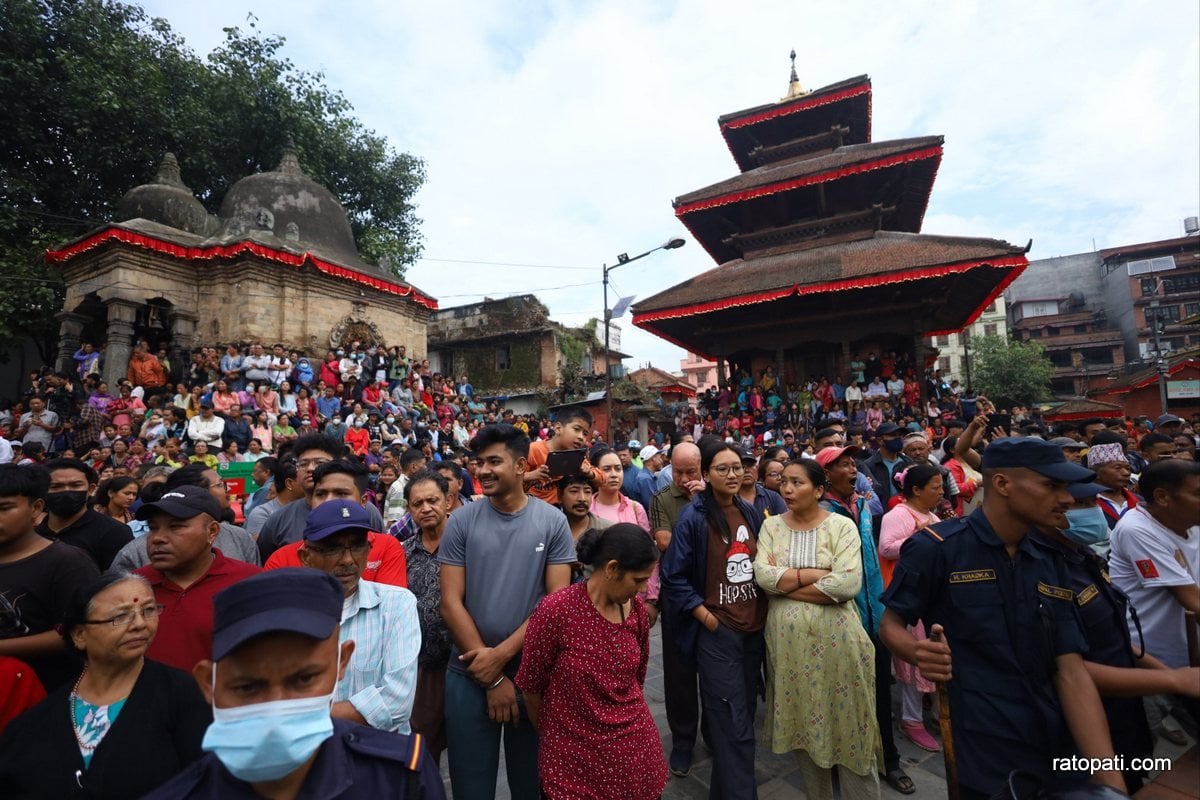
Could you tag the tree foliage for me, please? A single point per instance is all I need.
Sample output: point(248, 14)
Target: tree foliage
point(1010, 372)
point(96, 91)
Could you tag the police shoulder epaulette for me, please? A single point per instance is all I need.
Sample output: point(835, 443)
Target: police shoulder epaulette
point(404, 748)
point(933, 533)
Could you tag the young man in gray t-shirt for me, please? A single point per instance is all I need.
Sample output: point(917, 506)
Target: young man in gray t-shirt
point(498, 559)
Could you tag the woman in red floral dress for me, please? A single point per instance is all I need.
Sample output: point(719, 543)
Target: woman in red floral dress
point(582, 671)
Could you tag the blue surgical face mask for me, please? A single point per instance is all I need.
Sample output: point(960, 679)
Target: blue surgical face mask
point(266, 741)
point(1086, 525)
point(894, 445)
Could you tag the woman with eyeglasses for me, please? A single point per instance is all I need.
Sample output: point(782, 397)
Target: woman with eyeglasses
point(127, 725)
point(719, 613)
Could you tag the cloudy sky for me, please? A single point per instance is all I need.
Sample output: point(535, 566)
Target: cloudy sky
point(556, 134)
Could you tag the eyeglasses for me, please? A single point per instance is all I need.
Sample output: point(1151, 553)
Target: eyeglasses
point(326, 551)
point(125, 617)
point(312, 463)
point(727, 469)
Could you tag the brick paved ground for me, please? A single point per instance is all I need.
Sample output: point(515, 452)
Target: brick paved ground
point(778, 776)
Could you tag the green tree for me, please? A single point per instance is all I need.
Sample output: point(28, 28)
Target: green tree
point(1009, 372)
point(96, 91)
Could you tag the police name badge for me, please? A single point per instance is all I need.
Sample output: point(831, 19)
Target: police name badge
point(1057, 592)
point(973, 576)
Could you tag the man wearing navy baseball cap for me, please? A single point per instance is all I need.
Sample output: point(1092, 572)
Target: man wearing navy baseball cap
point(380, 620)
point(276, 662)
point(186, 572)
point(996, 598)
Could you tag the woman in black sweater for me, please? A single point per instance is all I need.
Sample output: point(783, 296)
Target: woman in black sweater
point(126, 726)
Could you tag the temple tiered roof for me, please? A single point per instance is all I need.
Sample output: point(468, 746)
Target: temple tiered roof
point(818, 237)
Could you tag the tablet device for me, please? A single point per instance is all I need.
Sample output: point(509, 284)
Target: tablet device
point(565, 462)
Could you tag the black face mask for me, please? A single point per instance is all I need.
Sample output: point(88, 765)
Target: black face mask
point(66, 504)
point(894, 445)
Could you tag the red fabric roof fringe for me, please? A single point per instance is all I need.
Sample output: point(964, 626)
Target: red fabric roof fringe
point(783, 111)
point(231, 250)
point(1146, 381)
point(1050, 416)
point(831, 286)
point(809, 180)
point(674, 388)
point(991, 298)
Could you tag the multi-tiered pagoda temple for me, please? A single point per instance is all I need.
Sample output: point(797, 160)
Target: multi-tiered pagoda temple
point(819, 247)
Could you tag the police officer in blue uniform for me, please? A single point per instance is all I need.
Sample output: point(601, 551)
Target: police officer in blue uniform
point(1121, 668)
point(1019, 690)
point(276, 661)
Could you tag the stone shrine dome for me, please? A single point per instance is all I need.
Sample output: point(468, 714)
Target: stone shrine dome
point(167, 200)
point(171, 274)
point(294, 208)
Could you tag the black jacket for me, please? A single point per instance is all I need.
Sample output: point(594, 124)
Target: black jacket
point(156, 735)
point(877, 470)
point(356, 762)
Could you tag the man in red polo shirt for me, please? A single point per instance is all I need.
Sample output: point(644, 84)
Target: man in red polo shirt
point(346, 480)
point(186, 571)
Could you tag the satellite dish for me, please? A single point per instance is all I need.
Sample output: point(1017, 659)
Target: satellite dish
point(622, 306)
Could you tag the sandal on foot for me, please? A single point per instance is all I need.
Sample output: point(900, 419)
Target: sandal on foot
point(899, 780)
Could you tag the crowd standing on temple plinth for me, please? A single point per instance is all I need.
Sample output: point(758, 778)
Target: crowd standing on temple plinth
point(421, 577)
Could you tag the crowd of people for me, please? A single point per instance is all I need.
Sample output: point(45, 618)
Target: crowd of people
point(421, 576)
point(876, 391)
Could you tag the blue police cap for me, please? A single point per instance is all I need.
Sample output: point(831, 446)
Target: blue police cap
point(292, 600)
point(1081, 491)
point(1037, 455)
point(336, 516)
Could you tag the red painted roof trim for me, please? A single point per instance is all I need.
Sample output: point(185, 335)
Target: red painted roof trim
point(1147, 380)
point(991, 298)
point(922, 273)
point(778, 112)
point(1079, 415)
point(809, 180)
point(674, 388)
point(231, 250)
point(784, 110)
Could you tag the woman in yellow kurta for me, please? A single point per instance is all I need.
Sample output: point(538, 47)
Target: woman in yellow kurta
point(821, 687)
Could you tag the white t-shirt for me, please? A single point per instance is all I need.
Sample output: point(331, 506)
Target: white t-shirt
point(1146, 560)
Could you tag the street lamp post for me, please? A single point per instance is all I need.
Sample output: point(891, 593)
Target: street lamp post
point(1160, 362)
point(670, 244)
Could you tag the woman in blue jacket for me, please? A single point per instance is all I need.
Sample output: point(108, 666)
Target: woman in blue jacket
point(708, 584)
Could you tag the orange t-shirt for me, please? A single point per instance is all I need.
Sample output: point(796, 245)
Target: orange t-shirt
point(547, 490)
point(386, 562)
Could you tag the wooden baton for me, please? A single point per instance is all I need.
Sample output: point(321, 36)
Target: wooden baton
point(947, 728)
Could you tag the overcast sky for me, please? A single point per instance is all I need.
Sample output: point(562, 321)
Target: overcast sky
point(556, 134)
